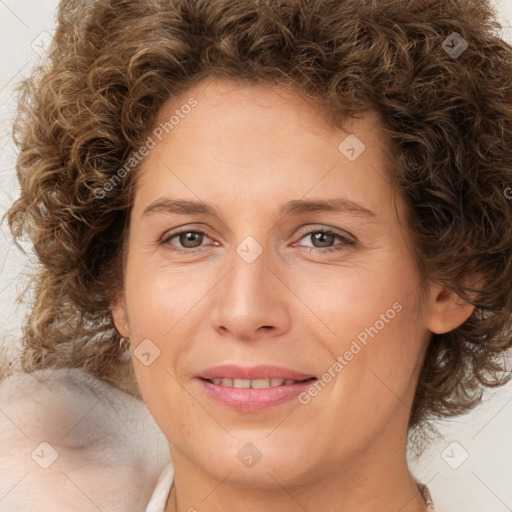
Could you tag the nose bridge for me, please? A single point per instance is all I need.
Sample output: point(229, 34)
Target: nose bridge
point(249, 297)
point(249, 282)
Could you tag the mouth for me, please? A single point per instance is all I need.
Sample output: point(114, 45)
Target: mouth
point(253, 389)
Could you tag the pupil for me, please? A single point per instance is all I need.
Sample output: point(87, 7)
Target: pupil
point(319, 238)
point(190, 237)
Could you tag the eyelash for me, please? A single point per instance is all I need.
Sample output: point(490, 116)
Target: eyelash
point(345, 241)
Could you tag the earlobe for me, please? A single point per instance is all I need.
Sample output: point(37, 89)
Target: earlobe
point(447, 310)
point(118, 311)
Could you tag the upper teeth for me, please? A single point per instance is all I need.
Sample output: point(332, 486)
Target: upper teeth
point(256, 383)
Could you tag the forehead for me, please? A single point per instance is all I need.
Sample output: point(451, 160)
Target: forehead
point(247, 138)
point(227, 102)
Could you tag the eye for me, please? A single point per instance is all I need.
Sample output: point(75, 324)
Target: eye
point(188, 239)
point(322, 240)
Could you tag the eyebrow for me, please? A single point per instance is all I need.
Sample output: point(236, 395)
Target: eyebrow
point(293, 207)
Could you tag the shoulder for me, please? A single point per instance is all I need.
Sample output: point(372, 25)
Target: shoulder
point(70, 441)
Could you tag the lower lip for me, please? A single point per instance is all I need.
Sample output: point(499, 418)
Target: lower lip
point(253, 399)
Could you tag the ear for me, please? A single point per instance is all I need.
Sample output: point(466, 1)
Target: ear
point(118, 309)
point(446, 310)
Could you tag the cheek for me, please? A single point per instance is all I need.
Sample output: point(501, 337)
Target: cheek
point(394, 345)
point(362, 302)
point(381, 362)
point(376, 325)
point(158, 297)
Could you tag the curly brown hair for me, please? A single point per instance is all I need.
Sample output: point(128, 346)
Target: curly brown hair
point(114, 63)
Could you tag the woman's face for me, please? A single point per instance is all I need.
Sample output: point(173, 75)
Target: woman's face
point(257, 283)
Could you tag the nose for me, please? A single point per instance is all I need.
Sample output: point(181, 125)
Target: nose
point(251, 301)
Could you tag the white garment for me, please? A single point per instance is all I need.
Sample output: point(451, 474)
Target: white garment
point(164, 484)
point(162, 490)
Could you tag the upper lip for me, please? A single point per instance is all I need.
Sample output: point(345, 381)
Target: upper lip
point(229, 371)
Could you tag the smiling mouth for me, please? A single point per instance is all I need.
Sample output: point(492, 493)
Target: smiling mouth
point(255, 383)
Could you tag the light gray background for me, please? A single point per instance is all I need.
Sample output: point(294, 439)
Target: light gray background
point(469, 470)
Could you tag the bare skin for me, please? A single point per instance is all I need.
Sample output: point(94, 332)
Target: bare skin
point(248, 150)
